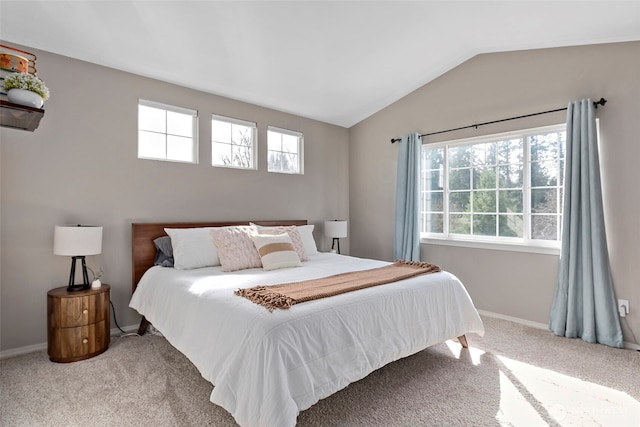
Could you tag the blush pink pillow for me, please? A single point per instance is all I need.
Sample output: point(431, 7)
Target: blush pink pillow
point(235, 247)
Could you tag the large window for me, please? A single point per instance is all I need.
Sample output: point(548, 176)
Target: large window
point(233, 143)
point(284, 151)
point(503, 188)
point(166, 132)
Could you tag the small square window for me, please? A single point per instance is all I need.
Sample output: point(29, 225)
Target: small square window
point(284, 151)
point(166, 132)
point(233, 143)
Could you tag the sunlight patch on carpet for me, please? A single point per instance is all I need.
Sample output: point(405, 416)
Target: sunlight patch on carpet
point(456, 350)
point(532, 396)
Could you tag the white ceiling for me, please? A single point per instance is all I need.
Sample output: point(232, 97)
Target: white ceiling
point(334, 61)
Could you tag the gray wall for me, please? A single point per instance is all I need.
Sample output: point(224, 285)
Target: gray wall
point(495, 86)
point(81, 166)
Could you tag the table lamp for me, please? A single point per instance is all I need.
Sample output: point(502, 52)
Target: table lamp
point(77, 241)
point(335, 229)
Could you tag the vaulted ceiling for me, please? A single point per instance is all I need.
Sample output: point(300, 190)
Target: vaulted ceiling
point(334, 61)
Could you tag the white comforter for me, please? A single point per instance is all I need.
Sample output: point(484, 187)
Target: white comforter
point(266, 367)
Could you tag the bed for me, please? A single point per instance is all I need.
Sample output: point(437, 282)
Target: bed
point(267, 366)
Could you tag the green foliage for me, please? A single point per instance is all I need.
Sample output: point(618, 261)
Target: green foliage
point(486, 180)
point(26, 81)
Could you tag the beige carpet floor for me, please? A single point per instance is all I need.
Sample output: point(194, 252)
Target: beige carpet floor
point(514, 376)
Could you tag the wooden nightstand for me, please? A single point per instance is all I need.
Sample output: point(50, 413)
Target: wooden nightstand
point(78, 323)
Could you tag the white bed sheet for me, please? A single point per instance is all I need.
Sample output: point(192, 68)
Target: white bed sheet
point(266, 367)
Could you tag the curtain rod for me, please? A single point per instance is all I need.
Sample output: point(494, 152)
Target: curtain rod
point(602, 101)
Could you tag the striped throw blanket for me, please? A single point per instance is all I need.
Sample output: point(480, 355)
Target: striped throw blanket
point(287, 294)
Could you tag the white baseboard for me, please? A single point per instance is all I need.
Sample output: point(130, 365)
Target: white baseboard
point(537, 325)
point(12, 352)
point(514, 319)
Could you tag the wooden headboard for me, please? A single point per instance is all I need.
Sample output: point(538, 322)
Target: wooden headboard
point(143, 251)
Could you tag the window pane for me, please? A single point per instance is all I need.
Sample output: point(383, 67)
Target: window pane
point(510, 225)
point(544, 200)
point(221, 131)
point(510, 152)
point(432, 158)
point(460, 179)
point(510, 201)
point(221, 154)
point(460, 224)
point(290, 163)
point(179, 148)
point(484, 201)
point(152, 119)
point(510, 176)
point(241, 156)
point(544, 227)
point(433, 179)
point(460, 157)
point(460, 201)
point(274, 141)
point(289, 143)
point(152, 145)
point(433, 222)
point(241, 134)
point(544, 147)
point(484, 225)
point(179, 124)
point(562, 144)
point(484, 177)
point(432, 201)
point(544, 174)
point(484, 154)
point(275, 161)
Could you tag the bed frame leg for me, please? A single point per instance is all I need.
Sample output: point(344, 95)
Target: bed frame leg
point(144, 324)
point(463, 340)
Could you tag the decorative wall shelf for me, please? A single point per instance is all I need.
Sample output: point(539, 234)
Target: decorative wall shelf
point(19, 116)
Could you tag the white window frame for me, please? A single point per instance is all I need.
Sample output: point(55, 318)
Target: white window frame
point(296, 134)
point(516, 244)
point(174, 109)
point(254, 141)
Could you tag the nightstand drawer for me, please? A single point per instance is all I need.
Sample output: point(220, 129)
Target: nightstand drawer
point(80, 311)
point(82, 342)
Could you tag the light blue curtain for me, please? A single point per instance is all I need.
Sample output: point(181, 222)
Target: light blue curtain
point(585, 303)
point(406, 243)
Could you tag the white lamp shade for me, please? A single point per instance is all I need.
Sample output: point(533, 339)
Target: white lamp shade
point(77, 240)
point(335, 229)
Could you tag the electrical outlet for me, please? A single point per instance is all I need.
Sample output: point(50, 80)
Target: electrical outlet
point(623, 307)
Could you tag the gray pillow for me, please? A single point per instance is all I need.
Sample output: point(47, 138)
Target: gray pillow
point(164, 252)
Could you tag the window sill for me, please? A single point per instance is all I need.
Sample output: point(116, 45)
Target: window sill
point(496, 246)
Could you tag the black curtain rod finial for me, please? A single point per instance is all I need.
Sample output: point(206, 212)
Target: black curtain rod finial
point(601, 102)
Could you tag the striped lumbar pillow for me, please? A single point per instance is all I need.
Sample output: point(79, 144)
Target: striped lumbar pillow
point(276, 251)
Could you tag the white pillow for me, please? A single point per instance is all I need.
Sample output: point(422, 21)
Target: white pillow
point(193, 248)
point(306, 232)
point(276, 251)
